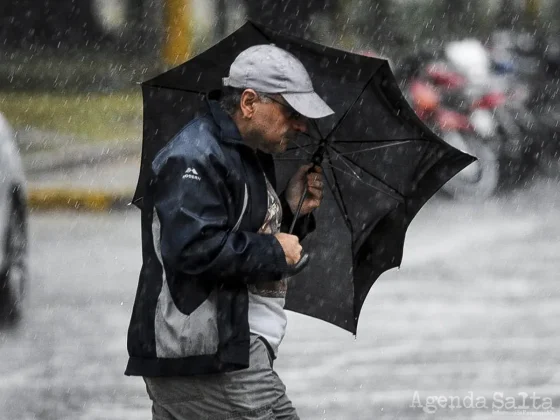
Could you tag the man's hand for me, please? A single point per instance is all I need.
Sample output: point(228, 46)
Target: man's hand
point(314, 189)
point(290, 245)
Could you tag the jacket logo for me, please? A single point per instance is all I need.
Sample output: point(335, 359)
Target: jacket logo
point(192, 174)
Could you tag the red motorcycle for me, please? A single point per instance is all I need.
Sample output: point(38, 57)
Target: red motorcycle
point(500, 118)
point(428, 92)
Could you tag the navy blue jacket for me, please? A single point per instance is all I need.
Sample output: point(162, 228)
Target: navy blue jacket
point(190, 314)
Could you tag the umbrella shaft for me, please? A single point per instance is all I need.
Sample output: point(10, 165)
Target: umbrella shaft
point(298, 211)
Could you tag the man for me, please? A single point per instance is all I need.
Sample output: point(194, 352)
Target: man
point(208, 316)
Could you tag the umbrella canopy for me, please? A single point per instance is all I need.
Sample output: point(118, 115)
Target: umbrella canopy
point(381, 163)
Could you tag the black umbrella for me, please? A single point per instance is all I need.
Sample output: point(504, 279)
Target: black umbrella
point(381, 163)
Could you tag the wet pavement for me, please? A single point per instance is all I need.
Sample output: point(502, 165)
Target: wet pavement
point(472, 314)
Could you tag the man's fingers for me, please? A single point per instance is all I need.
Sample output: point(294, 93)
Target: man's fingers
point(315, 179)
point(315, 191)
point(317, 170)
point(314, 200)
point(314, 203)
point(291, 247)
point(297, 255)
point(315, 184)
point(305, 168)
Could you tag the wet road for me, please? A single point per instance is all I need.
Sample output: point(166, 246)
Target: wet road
point(474, 311)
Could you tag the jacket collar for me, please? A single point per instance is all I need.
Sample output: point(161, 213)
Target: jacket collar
point(228, 130)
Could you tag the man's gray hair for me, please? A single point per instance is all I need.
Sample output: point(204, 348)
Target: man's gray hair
point(231, 98)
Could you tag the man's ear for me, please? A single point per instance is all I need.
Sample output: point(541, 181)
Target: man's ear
point(247, 104)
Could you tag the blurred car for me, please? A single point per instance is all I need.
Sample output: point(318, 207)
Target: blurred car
point(13, 228)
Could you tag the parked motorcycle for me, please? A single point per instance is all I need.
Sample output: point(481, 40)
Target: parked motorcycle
point(513, 116)
point(533, 65)
point(479, 180)
point(549, 153)
point(516, 136)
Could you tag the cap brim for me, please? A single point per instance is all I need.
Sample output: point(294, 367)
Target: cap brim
point(309, 104)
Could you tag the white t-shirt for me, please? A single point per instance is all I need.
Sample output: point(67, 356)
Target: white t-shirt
point(267, 298)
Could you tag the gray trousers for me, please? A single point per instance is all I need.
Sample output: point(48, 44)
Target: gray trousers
point(255, 393)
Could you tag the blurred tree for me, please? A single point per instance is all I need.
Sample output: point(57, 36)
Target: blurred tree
point(375, 23)
point(293, 16)
point(49, 23)
point(143, 30)
point(508, 14)
point(372, 27)
point(77, 25)
point(458, 16)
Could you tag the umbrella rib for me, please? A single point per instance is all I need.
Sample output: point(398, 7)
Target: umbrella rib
point(383, 146)
point(261, 32)
point(341, 204)
point(392, 191)
point(289, 149)
point(351, 175)
point(339, 122)
point(355, 176)
point(302, 133)
point(383, 140)
point(301, 147)
point(324, 164)
point(314, 122)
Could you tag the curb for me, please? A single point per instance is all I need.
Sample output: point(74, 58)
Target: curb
point(78, 199)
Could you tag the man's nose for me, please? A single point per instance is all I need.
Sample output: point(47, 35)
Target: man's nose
point(300, 125)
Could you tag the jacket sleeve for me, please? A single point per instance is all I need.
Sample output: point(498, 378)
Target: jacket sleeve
point(196, 235)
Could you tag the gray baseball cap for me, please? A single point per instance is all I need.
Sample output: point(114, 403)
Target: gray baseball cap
point(269, 69)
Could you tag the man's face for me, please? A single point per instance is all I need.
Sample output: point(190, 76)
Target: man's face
point(274, 124)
